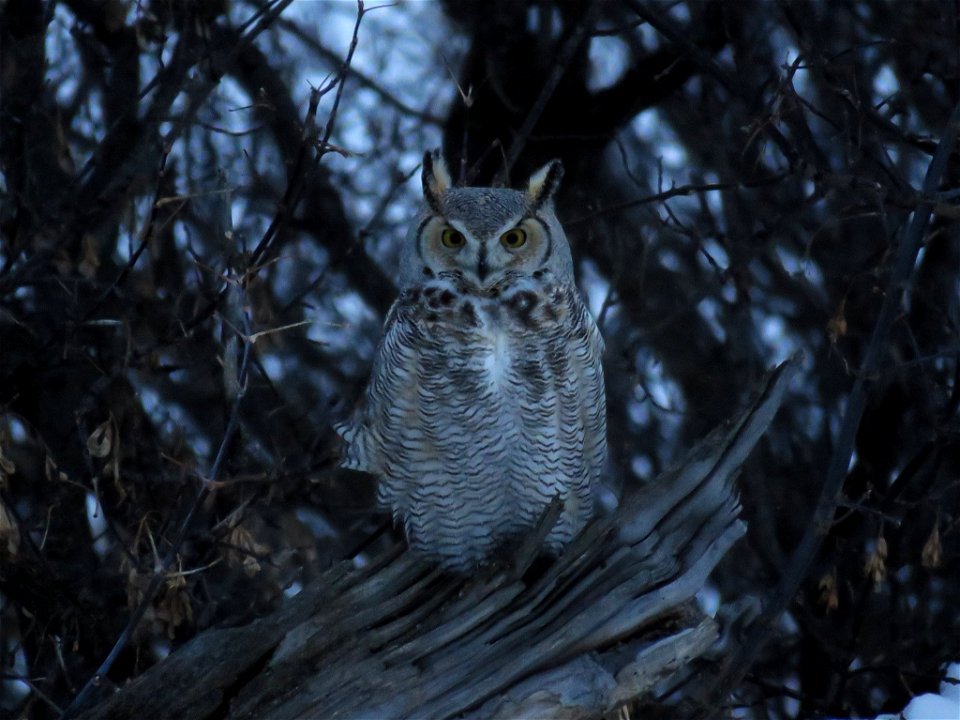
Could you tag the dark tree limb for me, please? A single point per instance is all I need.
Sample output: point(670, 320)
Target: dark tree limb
point(600, 626)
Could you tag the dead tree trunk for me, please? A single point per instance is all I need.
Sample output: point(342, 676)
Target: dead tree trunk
point(597, 628)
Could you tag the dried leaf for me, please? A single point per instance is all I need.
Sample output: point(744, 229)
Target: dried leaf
point(6, 464)
point(245, 551)
point(89, 262)
point(828, 591)
point(9, 533)
point(932, 555)
point(100, 442)
point(837, 327)
point(174, 609)
point(876, 566)
point(136, 584)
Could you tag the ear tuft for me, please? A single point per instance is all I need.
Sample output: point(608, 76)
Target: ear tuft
point(544, 183)
point(435, 177)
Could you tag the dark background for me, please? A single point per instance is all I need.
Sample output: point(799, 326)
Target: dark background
point(739, 179)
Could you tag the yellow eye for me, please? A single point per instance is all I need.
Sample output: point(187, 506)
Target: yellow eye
point(514, 239)
point(452, 238)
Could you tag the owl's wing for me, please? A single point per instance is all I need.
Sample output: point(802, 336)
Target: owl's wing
point(594, 400)
point(391, 380)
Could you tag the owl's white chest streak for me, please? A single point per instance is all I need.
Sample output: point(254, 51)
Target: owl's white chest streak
point(496, 350)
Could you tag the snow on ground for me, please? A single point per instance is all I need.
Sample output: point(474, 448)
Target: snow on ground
point(945, 706)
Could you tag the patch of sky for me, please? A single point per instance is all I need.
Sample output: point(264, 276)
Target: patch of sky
point(609, 59)
point(885, 83)
point(726, 58)
point(234, 113)
point(181, 235)
point(16, 429)
point(679, 12)
point(773, 334)
point(714, 200)
point(667, 399)
point(391, 43)
point(14, 691)
point(160, 648)
point(638, 412)
point(791, 703)
point(63, 70)
point(168, 48)
point(544, 20)
point(664, 394)
point(318, 525)
point(728, 291)
point(98, 525)
point(293, 589)
point(131, 229)
point(273, 365)
point(771, 156)
point(397, 212)
point(669, 259)
point(717, 253)
point(641, 465)
point(649, 37)
point(606, 497)
point(149, 398)
point(921, 254)
point(709, 310)
point(810, 417)
point(650, 127)
point(798, 266)
point(853, 460)
point(789, 54)
point(788, 624)
point(170, 417)
point(595, 285)
point(760, 273)
point(344, 333)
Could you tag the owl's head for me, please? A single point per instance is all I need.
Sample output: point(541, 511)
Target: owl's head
point(485, 233)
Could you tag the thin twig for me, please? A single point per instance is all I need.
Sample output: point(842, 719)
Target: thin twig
point(294, 191)
point(678, 191)
point(549, 87)
point(365, 80)
point(149, 230)
point(661, 24)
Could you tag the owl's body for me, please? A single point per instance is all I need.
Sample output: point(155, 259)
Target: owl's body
point(487, 396)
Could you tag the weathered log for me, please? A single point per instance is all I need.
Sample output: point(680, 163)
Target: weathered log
point(595, 629)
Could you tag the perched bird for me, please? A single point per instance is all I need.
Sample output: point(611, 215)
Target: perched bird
point(486, 398)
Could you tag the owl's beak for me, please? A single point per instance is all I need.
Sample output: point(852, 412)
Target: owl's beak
point(482, 267)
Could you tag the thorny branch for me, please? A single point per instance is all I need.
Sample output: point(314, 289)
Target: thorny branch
point(295, 185)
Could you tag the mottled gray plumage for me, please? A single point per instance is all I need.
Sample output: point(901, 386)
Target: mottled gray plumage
point(486, 398)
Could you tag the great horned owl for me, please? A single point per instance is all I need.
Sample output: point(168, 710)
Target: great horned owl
point(486, 398)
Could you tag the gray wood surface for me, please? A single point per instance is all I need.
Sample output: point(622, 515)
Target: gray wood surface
point(598, 628)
